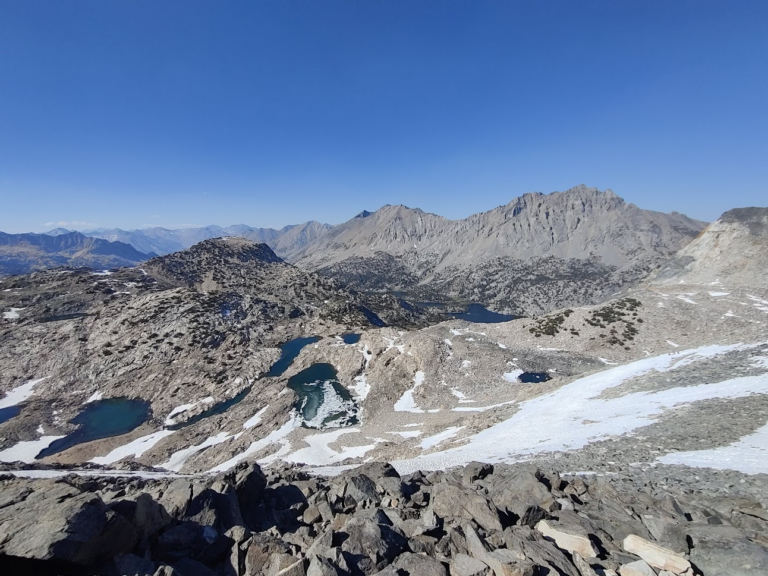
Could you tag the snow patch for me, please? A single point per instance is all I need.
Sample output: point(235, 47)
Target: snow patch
point(406, 403)
point(408, 433)
point(255, 419)
point(513, 376)
point(275, 437)
point(18, 395)
point(749, 455)
point(12, 314)
point(361, 388)
point(684, 298)
point(134, 448)
point(432, 441)
point(319, 453)
point(554, 422)
point(96, 396)
point(179, 458)
point(26, 451)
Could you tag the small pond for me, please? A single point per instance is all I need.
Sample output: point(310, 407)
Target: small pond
point(60, 317)
point(481, 315)
point(322, 401)
point(219, 408)
point(290, 350)
point(533, 377)
point(351, 338)
point(9, 412)
point(102, 419)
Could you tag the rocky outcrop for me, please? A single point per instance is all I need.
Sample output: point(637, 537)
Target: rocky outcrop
point(372, 521)
point(733, 249)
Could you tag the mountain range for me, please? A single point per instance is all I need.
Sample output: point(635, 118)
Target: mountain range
point(534, 254)
point(283, 241)
point(22, 253)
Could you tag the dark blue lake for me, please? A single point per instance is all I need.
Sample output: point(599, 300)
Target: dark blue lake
point(351, 338)
point(533, 377)
point(9, 412)
point(322, 401)
point(102, 419)
point(290, 350)
point(480, 314)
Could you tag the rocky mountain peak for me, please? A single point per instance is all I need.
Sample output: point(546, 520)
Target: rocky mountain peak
point(213, 264)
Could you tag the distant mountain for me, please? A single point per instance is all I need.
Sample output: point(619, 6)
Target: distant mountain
point(284, 241)
point(535, 253)
point(23, 253)
point(57, 232)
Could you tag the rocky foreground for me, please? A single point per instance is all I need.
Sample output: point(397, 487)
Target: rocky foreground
point(471, 521)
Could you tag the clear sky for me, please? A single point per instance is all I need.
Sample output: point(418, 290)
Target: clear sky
point(129, 112)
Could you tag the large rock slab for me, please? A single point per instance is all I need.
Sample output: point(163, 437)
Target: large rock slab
point(451, 501)
point(568, 540)
point(657, 556)
point(51, 520)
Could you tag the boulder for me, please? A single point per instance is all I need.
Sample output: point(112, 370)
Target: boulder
point(132, 565)
point(464, 565)
point(178, 542)
point(375, 470)
point(55, 521)
point(260, 554)
point(217, 508)
point(361, 488)
point(249, 484)
point(368, 539)
point(475, 471)
point(521, 495)
point(502, 562)
point(657, 556)
point(322, 567)
point(529, 544)
point(419, 565)
point(451, 501)
point(149, 517)
point(734, 557)
point(637, 568)
point(567, 539)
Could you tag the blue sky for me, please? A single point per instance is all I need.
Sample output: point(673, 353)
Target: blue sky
point(131, 113)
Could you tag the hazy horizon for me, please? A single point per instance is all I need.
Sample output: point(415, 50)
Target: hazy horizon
point(134, 114)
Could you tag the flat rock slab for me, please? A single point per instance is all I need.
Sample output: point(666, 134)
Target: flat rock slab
point(573, 543)
point(657, 556)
